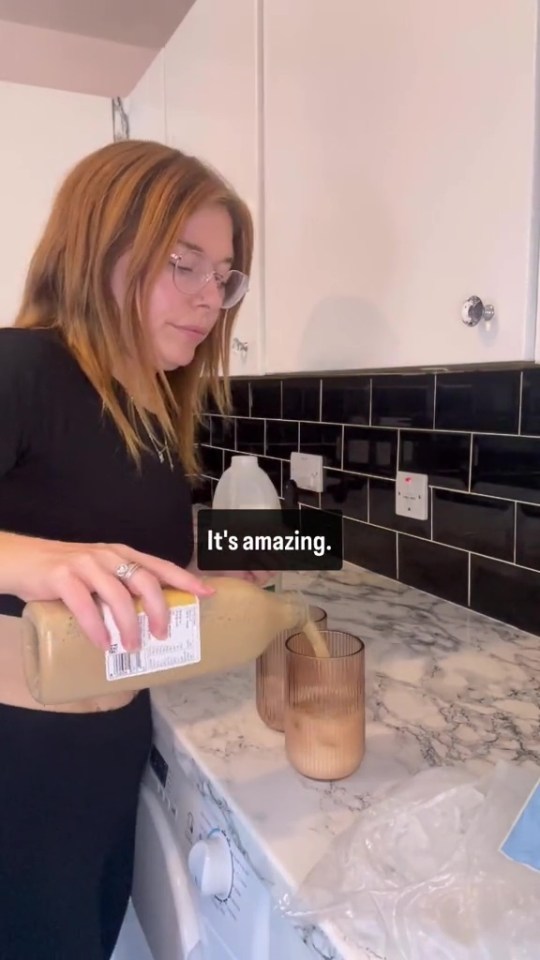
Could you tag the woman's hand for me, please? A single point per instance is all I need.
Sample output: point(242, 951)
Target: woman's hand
point(76, 573)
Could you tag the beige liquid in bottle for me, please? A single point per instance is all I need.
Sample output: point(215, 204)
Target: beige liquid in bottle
point(236, 624)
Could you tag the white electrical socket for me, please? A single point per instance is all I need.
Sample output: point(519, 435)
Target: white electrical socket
point(307, 471)
point(412, 495)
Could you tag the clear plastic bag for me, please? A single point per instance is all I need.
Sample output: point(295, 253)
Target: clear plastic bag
point(420, 874)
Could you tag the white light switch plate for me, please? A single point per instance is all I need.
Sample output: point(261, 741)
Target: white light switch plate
point(307, 471)
point(412, 495)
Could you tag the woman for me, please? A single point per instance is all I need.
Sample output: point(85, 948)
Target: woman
point(125, 320)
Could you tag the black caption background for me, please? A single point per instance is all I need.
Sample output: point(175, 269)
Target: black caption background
point(216, 527)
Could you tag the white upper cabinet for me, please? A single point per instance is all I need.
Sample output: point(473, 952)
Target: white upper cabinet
point(399, 175)
point(212, 93)
point(44, 133)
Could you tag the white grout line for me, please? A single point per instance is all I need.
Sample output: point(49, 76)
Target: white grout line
point(520, 401)
point(375, 476)
point(515, 532)
point(447, 546)
point(413, 536)
point(471, 452)
point(366, 426)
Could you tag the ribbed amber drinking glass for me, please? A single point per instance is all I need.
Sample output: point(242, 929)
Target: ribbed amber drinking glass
point(325, 706)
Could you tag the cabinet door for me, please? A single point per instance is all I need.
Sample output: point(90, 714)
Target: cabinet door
point(44, 133)
point(212, 111)
point(399, 166)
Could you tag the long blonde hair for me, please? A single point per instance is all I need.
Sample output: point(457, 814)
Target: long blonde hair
point(132, 194)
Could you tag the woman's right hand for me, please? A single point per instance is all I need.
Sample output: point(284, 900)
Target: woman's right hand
point(77, 573)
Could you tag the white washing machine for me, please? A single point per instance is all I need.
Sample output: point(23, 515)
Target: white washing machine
point(195, 894)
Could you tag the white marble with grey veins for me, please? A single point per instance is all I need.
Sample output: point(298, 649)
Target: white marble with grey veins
point(443, 686)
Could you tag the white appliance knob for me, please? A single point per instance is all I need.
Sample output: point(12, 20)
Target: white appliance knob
point(211, 865)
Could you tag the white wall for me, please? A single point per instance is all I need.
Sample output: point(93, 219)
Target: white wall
point(43, 134)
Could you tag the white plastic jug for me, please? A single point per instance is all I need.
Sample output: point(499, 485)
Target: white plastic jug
point(245, 486)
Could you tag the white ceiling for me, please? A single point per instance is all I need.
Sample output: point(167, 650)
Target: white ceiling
point(143, 23)
point(89, 46)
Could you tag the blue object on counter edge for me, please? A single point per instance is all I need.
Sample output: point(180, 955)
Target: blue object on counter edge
point(523, 841)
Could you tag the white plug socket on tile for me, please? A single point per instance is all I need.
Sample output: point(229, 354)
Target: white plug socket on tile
point(307, 471)
point(412, 495)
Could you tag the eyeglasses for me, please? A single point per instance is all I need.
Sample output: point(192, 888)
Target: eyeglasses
point(192, 271)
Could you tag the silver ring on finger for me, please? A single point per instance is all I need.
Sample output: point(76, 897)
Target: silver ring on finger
point(126, 570)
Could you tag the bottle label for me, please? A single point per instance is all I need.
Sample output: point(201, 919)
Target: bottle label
point(181, 647)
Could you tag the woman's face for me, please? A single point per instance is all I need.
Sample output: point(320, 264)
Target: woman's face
point(184, 305)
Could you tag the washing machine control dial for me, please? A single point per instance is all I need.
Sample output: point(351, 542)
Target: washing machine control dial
point(211, 865)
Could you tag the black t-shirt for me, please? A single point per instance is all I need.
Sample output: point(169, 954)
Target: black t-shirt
point(65, 473)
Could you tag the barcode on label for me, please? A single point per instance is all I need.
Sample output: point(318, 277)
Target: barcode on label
point(123, 665)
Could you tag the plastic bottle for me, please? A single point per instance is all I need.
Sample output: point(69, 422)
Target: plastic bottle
point(214, 633)
point(245, 486)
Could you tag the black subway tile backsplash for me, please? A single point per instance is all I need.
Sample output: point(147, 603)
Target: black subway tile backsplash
point(443, 456)
point(480, 524)
point(346, 399)
point(223, 432)
point(212, 459)
point(204, 430)
point(434, 568)
point(530, 405)
point(528, 535)
point(302, 399)
point(370, 547)
point(266, 398)
point(506, 592)
point(274, 470)
point(240, 398)
point(507, 467)
point(479, 401)
point(323, 439)
point(369, 450)
point(403, 401)
point(250, 436)
point(281, 438)
point(346, 493)
point(382, 501)
point(480, 545)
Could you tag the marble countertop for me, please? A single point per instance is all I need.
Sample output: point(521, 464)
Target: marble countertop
point(443, 686)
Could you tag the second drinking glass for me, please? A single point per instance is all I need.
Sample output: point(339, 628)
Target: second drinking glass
point(270, 675)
